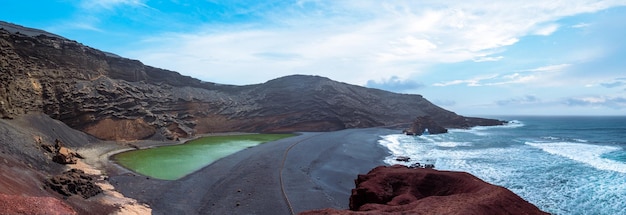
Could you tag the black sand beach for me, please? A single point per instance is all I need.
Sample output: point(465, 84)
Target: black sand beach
point(319, 172)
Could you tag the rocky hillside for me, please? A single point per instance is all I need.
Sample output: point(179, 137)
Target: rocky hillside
point(115, 98)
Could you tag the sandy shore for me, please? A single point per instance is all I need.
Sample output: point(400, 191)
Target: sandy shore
point(317, 172)
point(96, 160)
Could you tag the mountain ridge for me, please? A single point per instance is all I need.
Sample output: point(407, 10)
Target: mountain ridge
point(115, 98)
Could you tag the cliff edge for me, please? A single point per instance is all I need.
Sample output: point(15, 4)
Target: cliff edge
point(402, 190)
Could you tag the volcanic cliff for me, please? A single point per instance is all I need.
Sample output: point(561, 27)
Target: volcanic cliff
point(115, 98)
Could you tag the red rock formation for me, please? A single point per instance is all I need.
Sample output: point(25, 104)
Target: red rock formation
point(402, 190)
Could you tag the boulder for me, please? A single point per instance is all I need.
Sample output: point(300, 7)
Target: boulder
point(61, 154)
point(403, 158)
point(403, 190)
point(65, 156)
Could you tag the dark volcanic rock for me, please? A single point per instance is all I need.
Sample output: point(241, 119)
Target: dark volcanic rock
point(74, 182)
point(421, 124)
point(402, 190)
point(115, 98)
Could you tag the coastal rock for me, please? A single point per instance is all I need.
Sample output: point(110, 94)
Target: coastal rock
point(402, 190)
point(423, 124)
point(114, 98)
point(74, 182)
point(403, 158)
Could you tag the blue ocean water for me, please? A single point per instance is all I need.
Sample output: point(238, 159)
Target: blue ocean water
point(564, 165)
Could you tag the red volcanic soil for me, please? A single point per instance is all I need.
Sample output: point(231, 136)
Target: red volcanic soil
point(25, 165)
point(402, 190)
point(21, 192)
point(14, 204)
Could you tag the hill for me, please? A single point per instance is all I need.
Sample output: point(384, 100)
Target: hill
point(115, 98)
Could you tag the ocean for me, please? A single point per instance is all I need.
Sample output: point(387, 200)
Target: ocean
point(563, 165)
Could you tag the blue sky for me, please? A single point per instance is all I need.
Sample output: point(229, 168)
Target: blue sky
point(473, 57)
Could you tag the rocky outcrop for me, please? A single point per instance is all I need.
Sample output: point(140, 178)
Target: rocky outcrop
point(61, 154)
point(74, 182)
point(402, 190)
point(423, 125)
point(115, 98)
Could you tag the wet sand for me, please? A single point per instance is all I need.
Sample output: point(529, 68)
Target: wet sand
point(318, 172)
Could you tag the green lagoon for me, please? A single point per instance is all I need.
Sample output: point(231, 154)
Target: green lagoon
point(174, 162)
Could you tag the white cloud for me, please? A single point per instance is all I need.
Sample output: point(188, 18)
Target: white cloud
point(357, 41)
point(525, 100)
point(515, 78)
point(617, 82)
point(473, 82)
point(488, 59)
point(395, 84)
point(109, 4)
point(550, 68)
point(547, 30)
point(581, 25)
point(545, 75)
point(613, 102)
point(91, 14)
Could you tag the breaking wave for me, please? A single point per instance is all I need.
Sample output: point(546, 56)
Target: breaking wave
point(584, 153)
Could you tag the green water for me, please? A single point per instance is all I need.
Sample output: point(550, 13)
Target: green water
point(174, 162)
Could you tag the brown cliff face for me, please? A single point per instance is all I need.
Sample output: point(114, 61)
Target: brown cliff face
point(402, 190)
point(116, 98)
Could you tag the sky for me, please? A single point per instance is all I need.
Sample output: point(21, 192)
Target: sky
point(473, 57)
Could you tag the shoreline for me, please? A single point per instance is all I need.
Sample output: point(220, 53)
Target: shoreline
point(97, 162)
point(174, 161)
point(100, 155)
point(317, 173)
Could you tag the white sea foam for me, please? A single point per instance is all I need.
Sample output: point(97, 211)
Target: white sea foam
point(514, 124)
point(561, 174)
point(480, 131)
point(451, 144)
point(550, 138)
point(439, 150)
point(510, 124)
point(585, 153)
point(581, 140)
point(484, 130)
point(560, 139)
